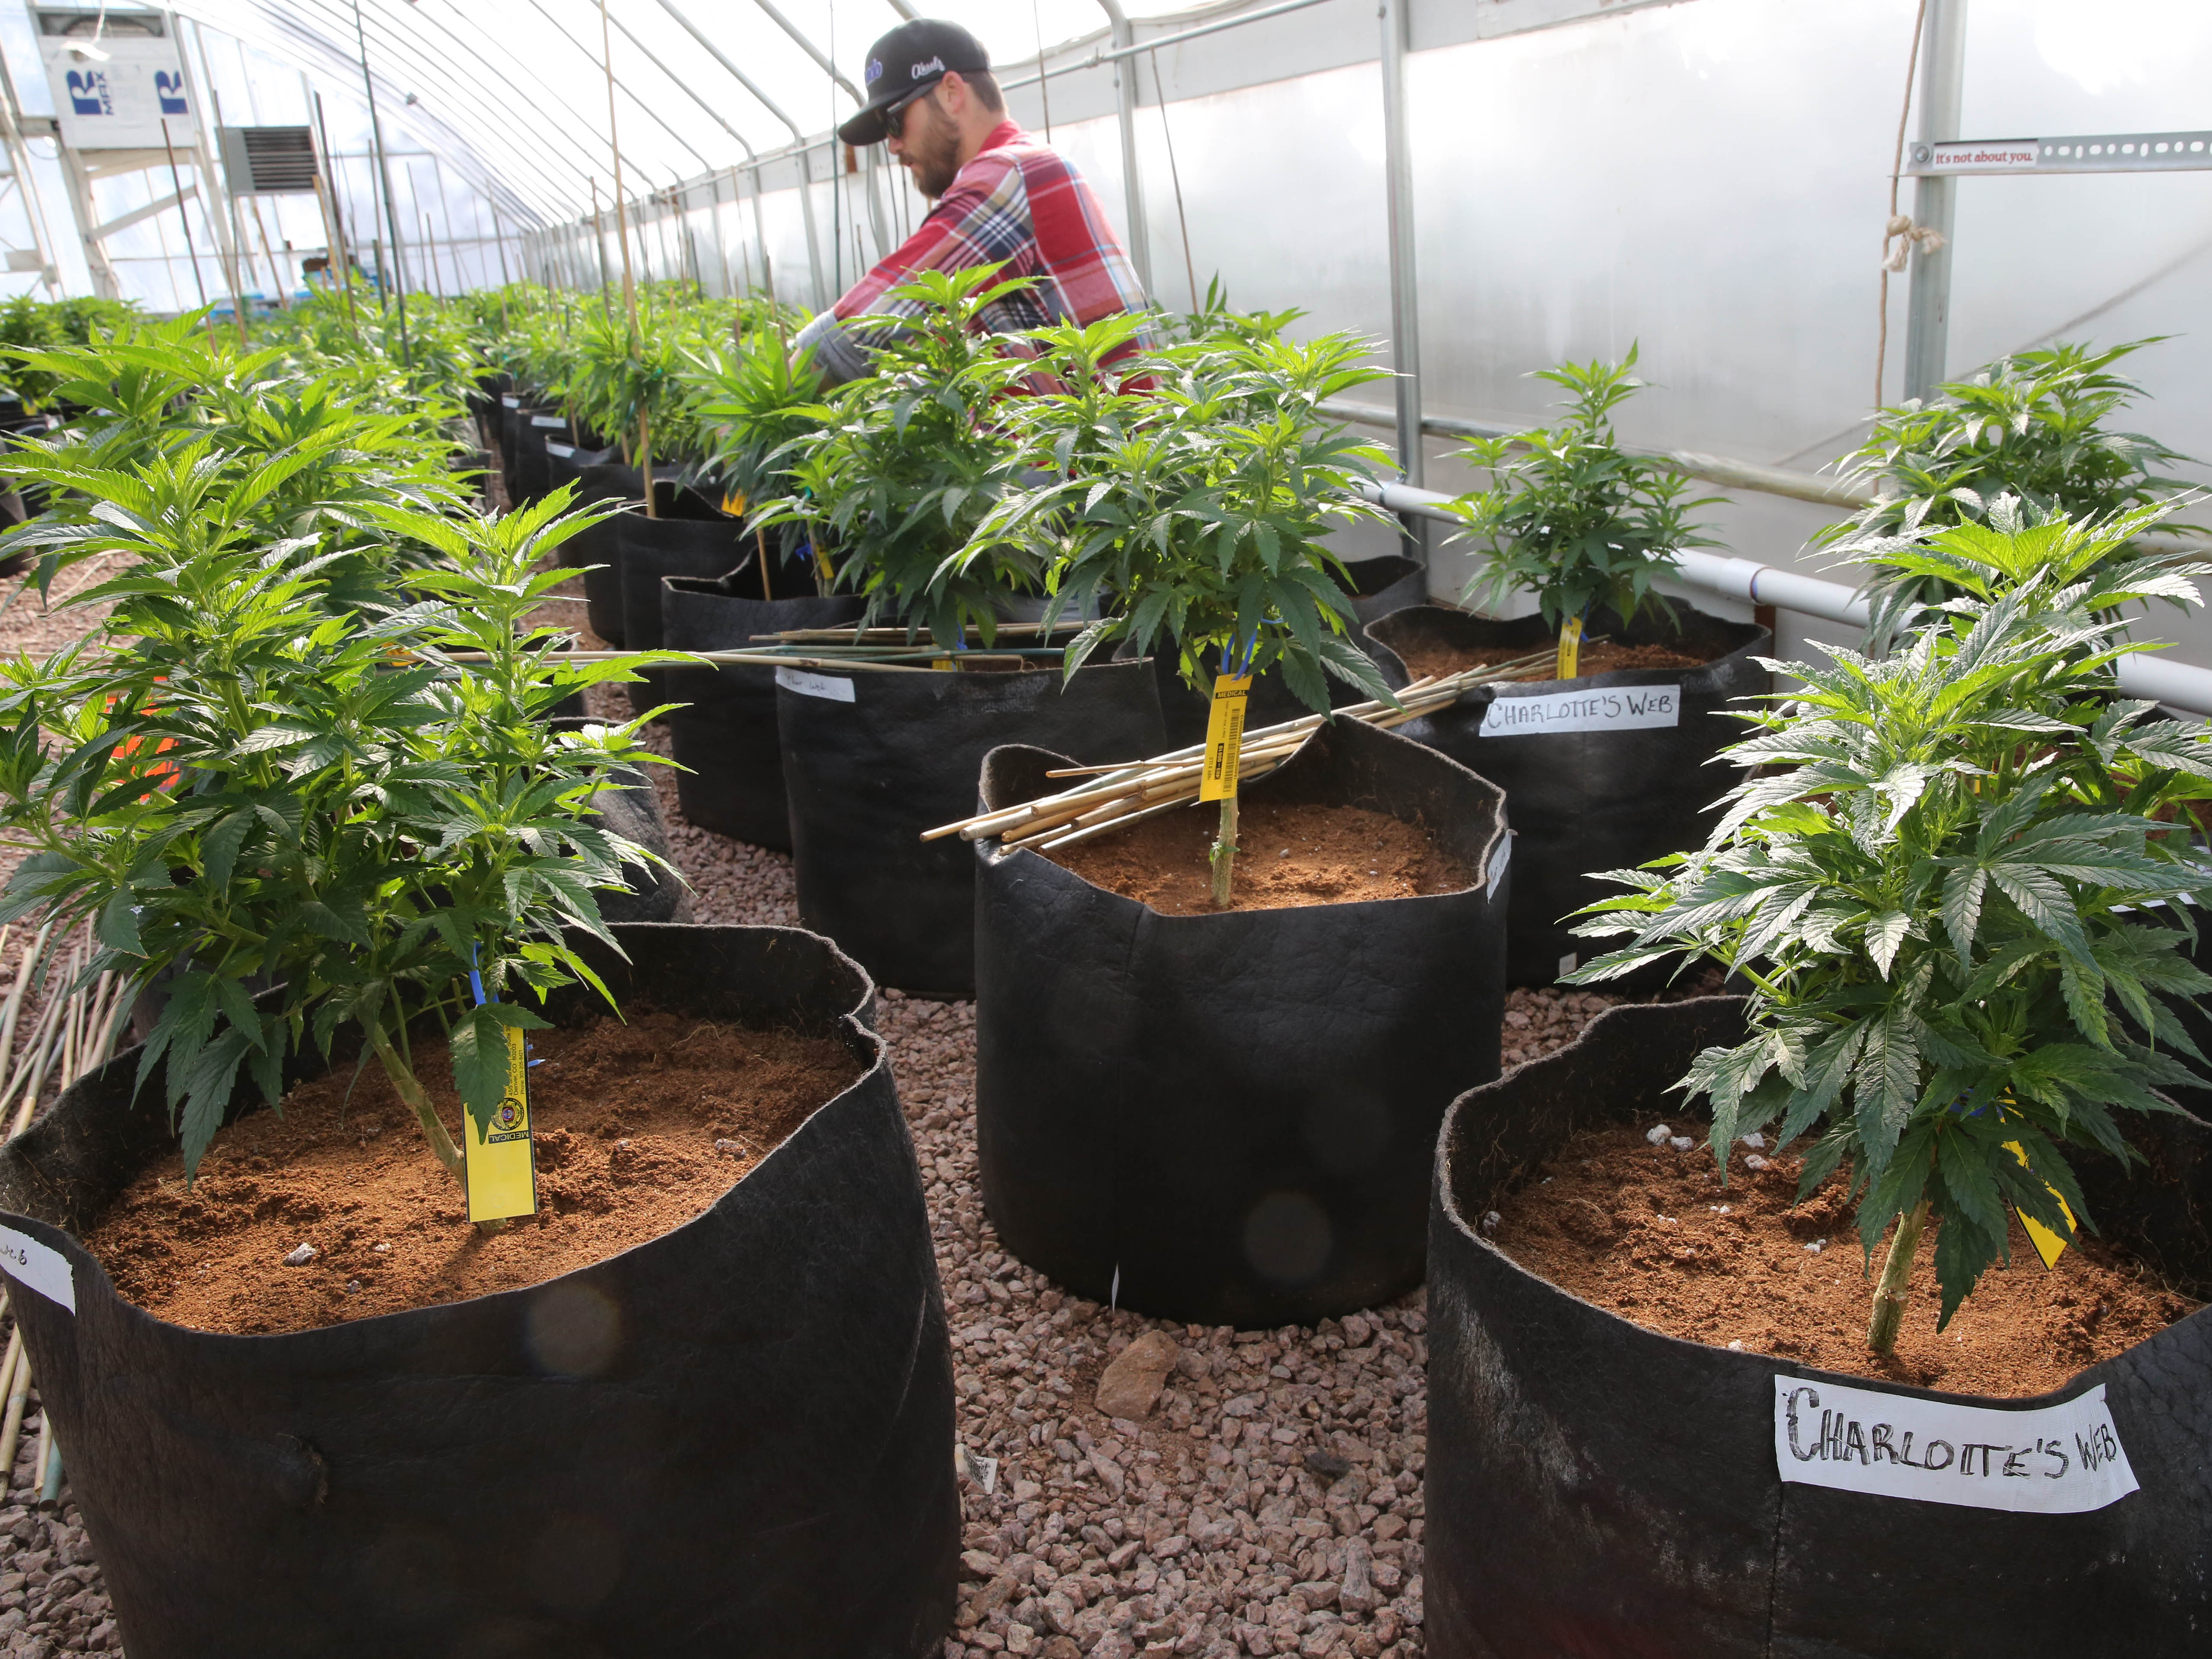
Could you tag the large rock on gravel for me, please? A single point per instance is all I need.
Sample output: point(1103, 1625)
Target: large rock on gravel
point(1131, 1386)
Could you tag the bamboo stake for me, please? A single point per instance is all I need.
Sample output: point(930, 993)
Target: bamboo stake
point(1123, 793)
point(11, 1426)
point(14, 1006)
point(46, 1452)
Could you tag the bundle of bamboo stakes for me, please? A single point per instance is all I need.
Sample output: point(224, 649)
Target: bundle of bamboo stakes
point(1119, 796)
point(75, 1031)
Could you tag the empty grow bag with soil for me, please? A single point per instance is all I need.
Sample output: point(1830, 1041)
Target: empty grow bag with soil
point(734, 1437)
point(1230, 1115)
point(691, 537)
point(725, 734)
point(873, 759)
point(1602, 772)
point(1595, 1486)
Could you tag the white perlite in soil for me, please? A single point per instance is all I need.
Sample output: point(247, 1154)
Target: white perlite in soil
point(1267, 1503)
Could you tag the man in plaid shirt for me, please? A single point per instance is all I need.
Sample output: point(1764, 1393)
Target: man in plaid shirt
point(1002, 199)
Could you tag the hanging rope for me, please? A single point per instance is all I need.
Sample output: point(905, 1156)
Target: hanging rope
point(1190, 271)
point(1899, 234)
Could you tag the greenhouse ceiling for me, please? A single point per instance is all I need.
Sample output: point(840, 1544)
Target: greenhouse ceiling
point(515, 93)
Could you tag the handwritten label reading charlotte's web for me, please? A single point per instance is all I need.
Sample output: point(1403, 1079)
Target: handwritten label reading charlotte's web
point(40, 1267)
point(1616, 708)
point(827, 686)
point(2061, 1460)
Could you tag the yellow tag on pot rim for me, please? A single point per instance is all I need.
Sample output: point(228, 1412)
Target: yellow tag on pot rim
point(501, 1171)
point(2048, 1245)
point(734, 504)
point(1570, 650)
point(1224, 736)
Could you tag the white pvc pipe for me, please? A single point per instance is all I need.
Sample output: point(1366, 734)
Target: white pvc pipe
point(2142, 674)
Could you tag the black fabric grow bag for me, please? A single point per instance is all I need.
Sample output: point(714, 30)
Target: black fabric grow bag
point(1379, 586)
point(1594, 1487)
point(507, 420)
point(597, 549)
point(1587, 800)
point(1234, 1113)
point(691, 537)
point(533, 467)
point(871, 760)
point(736, 1439)
point(565, 462)
point(725, 734)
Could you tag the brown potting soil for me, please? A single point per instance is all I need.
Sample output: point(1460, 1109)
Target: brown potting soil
point(1433, 657)
point(1287, 856)
point(1650, 1233)
point(638, 1128)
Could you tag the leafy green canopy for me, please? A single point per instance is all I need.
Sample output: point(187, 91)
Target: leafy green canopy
point(1571, 517)
point(2030, 426)
point(245, 787)
point(30, 324)
point(331, 448)
point(899, 467)
point(1186, 496)
point(1954, 888)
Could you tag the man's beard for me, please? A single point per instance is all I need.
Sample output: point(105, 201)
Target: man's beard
point(933, 155)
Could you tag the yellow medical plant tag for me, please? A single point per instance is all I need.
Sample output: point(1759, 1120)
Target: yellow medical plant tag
point(502, 1172)
point(1570, 650)
point(2048, 1245)
point(1224, 736)
point(734, 504)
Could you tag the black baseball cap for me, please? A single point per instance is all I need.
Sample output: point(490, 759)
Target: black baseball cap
point(912, 58)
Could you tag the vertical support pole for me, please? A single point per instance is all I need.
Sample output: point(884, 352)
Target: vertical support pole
point(1927, 304)
point(1405, 291)
point(19, 162)
point(1133, 183)
point(397, 291)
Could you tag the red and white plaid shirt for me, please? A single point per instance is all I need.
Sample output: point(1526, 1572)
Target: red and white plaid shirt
point(1019, 203)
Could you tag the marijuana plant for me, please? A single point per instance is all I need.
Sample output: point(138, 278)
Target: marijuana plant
point(1571, 517)
point(2029, 426)
point(1954, 888)
point(905, 463)
point(1189, 503)
point(242, 787)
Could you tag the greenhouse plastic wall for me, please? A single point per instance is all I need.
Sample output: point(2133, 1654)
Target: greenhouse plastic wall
point(1707, 181)
point(1704, 179)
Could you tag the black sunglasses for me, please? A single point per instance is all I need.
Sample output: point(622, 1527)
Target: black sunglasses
point(895, 115)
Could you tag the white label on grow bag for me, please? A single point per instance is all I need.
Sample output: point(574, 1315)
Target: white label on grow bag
point(44, 1269)
point(2062, 1460)
point(548, 421)
point(1500, 861)
point(815, 685)
point(564, 451)
point(1616, 708)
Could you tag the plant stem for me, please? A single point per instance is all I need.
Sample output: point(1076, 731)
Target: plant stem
point(1224, 855)
point(403, 1080)
point(645, 460)
point(1891, 1293)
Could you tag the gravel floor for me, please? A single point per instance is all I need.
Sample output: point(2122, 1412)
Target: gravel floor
point(1238, 1492)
